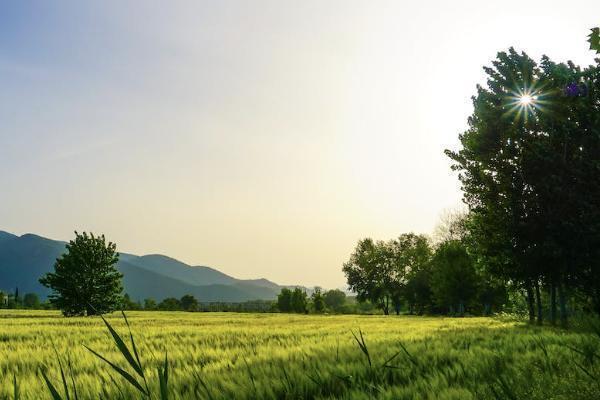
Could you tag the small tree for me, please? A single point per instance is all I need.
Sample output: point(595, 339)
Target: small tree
point(335, 300)
point(149, 304)
point(318, 301)
point(299, 301)
point(32, 301)
point(189, 303)
point(128, 304)
point(284, 300)
point(170, 304)
point(85, 280)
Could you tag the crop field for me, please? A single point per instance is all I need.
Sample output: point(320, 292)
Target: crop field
point(279, 356)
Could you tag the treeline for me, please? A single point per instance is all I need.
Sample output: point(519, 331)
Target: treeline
point(297, 301)
point(28, 301)
point(529, 166)
point(410, 274)
point(191, 304)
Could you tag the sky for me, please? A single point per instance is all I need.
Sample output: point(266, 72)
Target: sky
point(262, 138)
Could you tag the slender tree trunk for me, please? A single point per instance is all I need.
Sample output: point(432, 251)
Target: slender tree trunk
point(538, 299)
point(530, 300)
point(562, 299)
point(553, 303)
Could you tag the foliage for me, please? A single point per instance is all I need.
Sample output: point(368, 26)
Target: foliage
point(318, 302)
point(284, 300)
point(454, 281)
point(335, 300)
point(530, 177)
point(299, 301)
point(86, 281)
point(189, 303)
point(170, 304)
point(379, 271)
point(594, 40)
point(31, 300)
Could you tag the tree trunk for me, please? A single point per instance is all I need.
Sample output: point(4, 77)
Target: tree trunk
point(562, 299)
point(553, 303)
point(530, 300)
point(538, 299)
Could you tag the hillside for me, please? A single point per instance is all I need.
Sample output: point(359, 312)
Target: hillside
point(24, 259)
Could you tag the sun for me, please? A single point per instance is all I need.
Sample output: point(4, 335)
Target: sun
point(523, 102)
point(526, 99)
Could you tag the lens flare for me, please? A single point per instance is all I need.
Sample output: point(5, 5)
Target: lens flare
point(524, 102)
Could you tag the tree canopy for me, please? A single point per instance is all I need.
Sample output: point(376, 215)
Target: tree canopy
point(85, 280)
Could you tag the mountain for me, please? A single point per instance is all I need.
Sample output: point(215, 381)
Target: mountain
point(24, 259)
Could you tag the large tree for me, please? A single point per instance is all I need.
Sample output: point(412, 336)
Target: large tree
point(85, 280)
point(369, 273)
point(529, 167)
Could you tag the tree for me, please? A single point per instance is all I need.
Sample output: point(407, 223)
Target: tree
point(189, 303)
point(317, 301)
point(284, 300)
point(128, 304)
point(299, 301)
point(334, 299)
point(369, 273)
point(528, 168)
point(454, 281)
point(170, 304)
point(410, 254)
point(85, 280)
point(379, 271)
point(31, 301)
point(418, 293)
point(150, 305)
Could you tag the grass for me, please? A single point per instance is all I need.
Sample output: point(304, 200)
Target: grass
point(279, 356)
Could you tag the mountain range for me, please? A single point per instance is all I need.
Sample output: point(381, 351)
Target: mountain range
point(24, 259)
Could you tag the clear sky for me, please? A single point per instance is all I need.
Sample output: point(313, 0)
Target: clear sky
point(263, 138)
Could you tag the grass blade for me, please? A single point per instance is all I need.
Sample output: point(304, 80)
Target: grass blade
point(16, 392)
point(123, 349)
point(51, 388)
point(121, 372)
point(62, 373)
point(163, 378)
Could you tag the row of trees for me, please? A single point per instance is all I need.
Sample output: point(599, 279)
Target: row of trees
point(297, 301)
point(191, 304)
point(413, 273)
point(529, 165)
point(14, 301)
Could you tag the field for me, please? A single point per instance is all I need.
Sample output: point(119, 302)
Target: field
point(278, 356)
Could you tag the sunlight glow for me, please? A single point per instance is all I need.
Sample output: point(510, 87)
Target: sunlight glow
point(523, 102)
point(526, 99)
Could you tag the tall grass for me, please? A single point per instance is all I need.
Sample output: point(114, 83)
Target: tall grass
point(231, 356)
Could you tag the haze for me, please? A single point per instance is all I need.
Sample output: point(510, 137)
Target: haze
point(261, 138)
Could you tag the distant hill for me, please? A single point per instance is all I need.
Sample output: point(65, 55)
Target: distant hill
point(24, 259)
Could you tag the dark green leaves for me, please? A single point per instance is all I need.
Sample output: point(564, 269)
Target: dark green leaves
point(594, 40)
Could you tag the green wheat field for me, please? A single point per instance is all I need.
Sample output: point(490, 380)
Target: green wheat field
point(278, 356)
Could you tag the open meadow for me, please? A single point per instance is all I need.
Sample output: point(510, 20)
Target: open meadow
point(278, 356)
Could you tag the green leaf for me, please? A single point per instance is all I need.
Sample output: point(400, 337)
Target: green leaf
point(123, 348)
point(62, 373)
point(17, 395)
point(594, 40)
point(163, 377)
point(51, 388)
point(121, 372)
